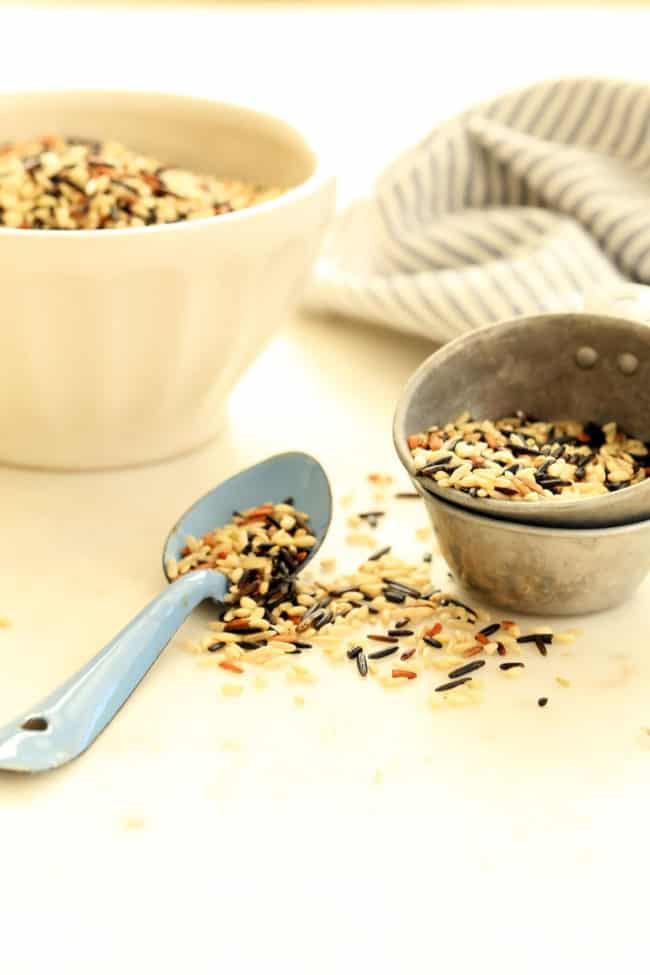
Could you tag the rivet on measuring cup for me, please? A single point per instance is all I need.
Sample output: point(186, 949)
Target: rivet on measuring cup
point(586, 357)
point(627, 363)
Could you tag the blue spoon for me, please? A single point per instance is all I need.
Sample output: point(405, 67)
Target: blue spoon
point(67, 722)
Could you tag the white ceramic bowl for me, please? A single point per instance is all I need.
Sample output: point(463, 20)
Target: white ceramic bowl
point(120, 346)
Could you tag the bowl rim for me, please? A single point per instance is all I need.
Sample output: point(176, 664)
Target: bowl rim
point(448, 351)
point(521, 528)
point(321, 175)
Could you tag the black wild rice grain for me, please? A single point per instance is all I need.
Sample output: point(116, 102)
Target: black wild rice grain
point(432, 642)
point(510, 664)
point(595, 433)
point(435, 468)
point(402, 587)
point(362, 664)
point(215, 646)
point(448, 601)
point(301, 645)
point(289, 501)
point(244, 630)
point(549, 483)
point(249, 645)
point(407, 654)
point(395, 597)
point(373, 610)
point(490, 629)
point(379, 553)
point(403, 495)
point(518, 451)
point(324, 620)
point(354, 652)
point(288, 560)
point(533, 637)
point(401, 623)
point(371, 514)
point(291, 652)
point(541, 471)
point(378, 654)
point(542, 701)
point(398, 632)
point(541, 646)
point(68, 182)
point(315, 608)
point(380, 638)
point(466, 668)
point(427, 557)
point(449, 686)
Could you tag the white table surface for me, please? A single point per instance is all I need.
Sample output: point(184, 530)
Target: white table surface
point(363, 831)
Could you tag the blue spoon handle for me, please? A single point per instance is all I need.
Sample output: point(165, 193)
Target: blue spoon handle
point(63, 725)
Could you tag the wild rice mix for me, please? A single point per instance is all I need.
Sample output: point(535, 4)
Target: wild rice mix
point(385, 619)
point(520, 458)
point(57, 183)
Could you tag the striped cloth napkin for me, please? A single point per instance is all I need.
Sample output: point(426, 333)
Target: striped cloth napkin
point(521, 205)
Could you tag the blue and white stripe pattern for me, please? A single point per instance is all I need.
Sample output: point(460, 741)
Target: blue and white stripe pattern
point(521, 205)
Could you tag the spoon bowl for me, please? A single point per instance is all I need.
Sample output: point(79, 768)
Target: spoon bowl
point(66, 723)
point(292, 475)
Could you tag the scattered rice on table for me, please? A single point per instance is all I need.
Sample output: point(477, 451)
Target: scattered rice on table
point(384, 620)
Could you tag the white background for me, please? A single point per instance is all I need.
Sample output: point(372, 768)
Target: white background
point(360, 833)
